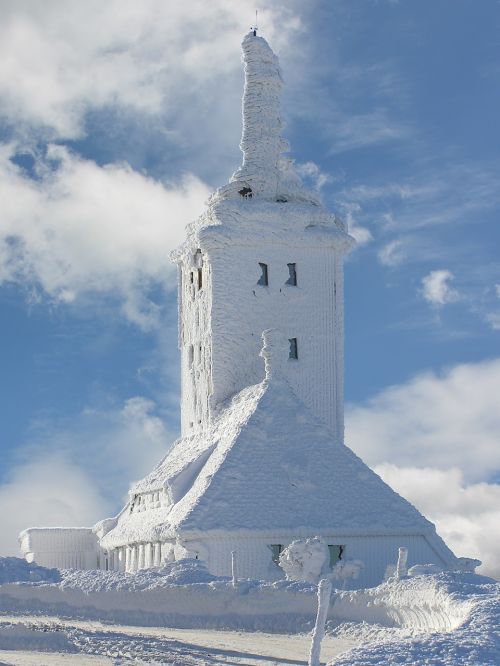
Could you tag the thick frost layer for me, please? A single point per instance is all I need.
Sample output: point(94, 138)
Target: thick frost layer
point(305, 559)
point(261, 140)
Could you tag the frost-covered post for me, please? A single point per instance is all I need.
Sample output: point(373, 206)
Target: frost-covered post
point(401, 569)
point(305, 559)
point(324, 592)
point(233, 568)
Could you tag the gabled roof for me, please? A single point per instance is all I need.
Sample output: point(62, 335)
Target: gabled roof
point(267, 467)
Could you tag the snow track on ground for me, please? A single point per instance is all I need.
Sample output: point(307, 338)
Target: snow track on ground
point(65, 641)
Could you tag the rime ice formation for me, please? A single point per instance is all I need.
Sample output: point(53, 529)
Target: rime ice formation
point(261, 142)
point(261, 460)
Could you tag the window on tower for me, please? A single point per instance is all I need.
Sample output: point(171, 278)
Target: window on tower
point(264, 275)
point(335, 554)
point(294, 351)
point(292, 275)
point(276, 549)
point(200, 278)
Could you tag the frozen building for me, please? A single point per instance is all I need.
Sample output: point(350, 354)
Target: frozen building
point(261, 459)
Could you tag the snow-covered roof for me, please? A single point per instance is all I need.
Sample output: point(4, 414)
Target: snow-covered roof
point(267, 467)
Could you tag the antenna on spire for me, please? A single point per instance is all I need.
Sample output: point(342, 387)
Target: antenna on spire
point(255, 27)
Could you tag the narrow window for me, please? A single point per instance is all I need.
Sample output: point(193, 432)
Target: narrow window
point(190, 356)
point(264, 277)
point(294, 352)
point(292, 275)
point(200, 278)
point(276, 549)
point(335, 554)
point(191, 273)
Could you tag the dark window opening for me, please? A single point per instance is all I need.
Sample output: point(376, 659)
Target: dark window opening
point(294, 352)
point(276, 549)
point(292, 275)
point(335, 554)
point(192, 277)
point(190, 355)
point(245, 192)
point(281, 199)
point(200, 278)
point(264, 277)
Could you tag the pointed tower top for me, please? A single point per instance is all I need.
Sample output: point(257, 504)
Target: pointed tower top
point(261, 141)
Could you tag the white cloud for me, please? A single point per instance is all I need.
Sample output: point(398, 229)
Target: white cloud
point(493, 319)
point(435, 440)
point(361, 234)
point(84, 229)
point(77, 474)
point(72, 57)
point(312, 173)
point(392, 254)
point(440, 421)
point(47, 490)
point(466, 515)
point(436, 288)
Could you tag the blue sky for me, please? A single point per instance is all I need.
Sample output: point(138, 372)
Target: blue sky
point(117, 122)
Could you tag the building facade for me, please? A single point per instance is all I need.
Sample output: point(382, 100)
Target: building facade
point(261, 460)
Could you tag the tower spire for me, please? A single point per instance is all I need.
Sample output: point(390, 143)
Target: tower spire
point(256, 26)
point(261, 140)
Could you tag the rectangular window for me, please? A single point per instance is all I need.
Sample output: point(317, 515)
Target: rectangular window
point(200, 278)
point(335, 554)
point(294, 351)
point(276, 549)
point(264, 277)
point(292, 275)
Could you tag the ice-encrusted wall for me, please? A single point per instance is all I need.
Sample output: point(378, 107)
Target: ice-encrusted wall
point(221, 323)
point(62, 547)
point(310, 313)
point(195, 297)
point(254, 555)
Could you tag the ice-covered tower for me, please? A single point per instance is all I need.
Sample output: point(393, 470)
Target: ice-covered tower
point(255, 468)
point(265, 255)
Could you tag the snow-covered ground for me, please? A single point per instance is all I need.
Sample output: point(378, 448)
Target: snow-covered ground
point(182, 615)
point(67, 640)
